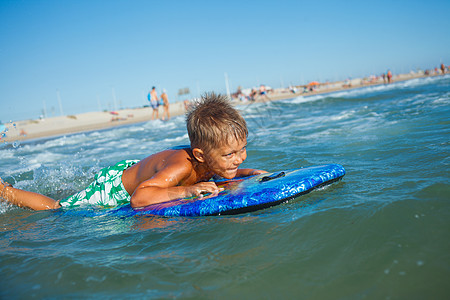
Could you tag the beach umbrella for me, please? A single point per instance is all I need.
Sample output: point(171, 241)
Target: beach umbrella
point(313, 83)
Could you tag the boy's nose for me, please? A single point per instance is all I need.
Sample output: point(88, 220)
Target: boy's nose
point(240, 157)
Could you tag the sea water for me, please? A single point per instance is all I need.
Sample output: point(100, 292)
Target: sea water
point(383, 232)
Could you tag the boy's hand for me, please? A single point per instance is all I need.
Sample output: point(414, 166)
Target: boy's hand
point(249, 172)
point(201, 188)
point(257, 172)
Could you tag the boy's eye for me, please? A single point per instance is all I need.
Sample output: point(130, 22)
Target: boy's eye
point(231, 154)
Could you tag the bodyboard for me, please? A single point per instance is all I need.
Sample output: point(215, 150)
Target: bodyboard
point(247, 194)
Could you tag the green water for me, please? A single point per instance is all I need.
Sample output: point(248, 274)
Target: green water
point(380, 233)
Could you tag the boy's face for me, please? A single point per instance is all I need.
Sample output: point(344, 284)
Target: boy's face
point(225, 160)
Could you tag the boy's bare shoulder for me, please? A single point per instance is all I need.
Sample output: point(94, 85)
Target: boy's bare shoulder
point(183, 155)
point(180, 159)
point(158, 161)
point(169, 166)
point(173, 166)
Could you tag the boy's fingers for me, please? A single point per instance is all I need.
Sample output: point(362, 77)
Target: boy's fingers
point(257, 172)
point(205, 188)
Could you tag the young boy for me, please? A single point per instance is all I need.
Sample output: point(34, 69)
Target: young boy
point(218, 136)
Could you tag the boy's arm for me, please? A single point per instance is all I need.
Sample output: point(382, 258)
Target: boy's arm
point(249, 172)
point(167, 185)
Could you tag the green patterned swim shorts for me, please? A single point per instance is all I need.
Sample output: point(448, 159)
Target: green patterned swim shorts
point(106, 190)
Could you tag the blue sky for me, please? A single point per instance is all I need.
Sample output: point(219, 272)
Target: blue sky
point(90, 50)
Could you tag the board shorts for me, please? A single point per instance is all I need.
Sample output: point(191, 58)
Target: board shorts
point(106, 190)
point(154, 104)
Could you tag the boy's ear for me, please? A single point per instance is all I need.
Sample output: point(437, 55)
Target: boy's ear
point(198, 154)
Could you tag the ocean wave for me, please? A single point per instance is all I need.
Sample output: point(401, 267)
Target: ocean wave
point(177, 139)
point(6, 154)
point(46, 157)
point(18, 170)
point(344, 115)
point(305, 99)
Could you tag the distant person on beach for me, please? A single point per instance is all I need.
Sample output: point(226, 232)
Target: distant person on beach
point(293, 89)
point(218, 141)
point(347, 83)
point(187, 105)
point(443, 69)
point(389, 76)
point(252, 95)
point(263, 92)
point(165, 100)
point(154, 103)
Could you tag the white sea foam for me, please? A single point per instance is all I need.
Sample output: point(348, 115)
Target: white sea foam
point(23, 168)
point(136, 128)
point(343, 115)
point(305, 99)
point(45, 157)
point(158, 124)
point(6, 154)
point(183, 138)
point(441, 101)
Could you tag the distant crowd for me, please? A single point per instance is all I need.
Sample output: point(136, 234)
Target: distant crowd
point(436, 71)
point(263, 92)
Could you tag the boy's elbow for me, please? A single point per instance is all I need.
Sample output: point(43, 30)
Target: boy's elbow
point(138, 199)
point(144, 196)
point(135, 202)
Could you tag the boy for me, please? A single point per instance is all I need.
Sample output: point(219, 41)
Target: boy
point(218, 136)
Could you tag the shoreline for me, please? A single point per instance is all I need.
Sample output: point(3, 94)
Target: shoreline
point(91, 121)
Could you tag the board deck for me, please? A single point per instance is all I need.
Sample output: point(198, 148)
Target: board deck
point(246, 194)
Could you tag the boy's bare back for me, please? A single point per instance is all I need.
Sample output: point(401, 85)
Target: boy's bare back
point(164, 169)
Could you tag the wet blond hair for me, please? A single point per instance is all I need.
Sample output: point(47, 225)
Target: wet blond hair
point(212, 121)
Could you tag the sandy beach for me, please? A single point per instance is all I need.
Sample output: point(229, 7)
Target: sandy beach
point(62, 125)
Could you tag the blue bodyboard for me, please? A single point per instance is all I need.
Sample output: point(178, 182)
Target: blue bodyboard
point(245, 194)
